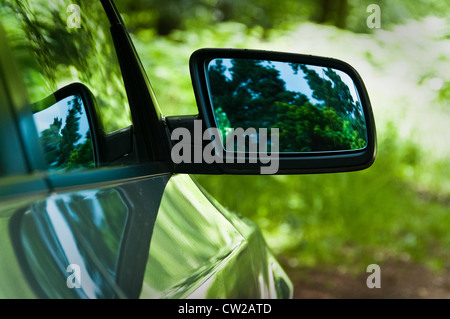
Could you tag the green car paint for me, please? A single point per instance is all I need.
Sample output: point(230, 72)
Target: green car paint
point(211, 252)
point(198, 249)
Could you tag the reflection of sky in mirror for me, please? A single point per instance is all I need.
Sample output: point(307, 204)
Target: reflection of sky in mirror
point(60, 109)
point(297, 82)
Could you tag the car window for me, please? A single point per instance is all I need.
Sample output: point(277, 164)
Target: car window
point(62, 42)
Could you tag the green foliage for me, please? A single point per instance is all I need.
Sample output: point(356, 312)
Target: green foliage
point(69, 135)
point(165, 16)
point(347, 220)
point(255, 96)
point(81, 156)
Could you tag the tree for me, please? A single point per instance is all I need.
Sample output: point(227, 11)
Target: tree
point(69, 134)
point(81, 155)
point(252, 94)
point(249, 97)
point(50, 140)
point(61, 146)
point(335, 93)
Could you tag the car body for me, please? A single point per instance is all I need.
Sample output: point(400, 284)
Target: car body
point(131, 229)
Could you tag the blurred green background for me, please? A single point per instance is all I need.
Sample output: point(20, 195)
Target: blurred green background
point(397, 210)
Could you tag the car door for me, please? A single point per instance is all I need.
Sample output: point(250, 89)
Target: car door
point(67, 218)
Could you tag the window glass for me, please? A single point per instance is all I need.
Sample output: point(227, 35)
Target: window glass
point(60, 42)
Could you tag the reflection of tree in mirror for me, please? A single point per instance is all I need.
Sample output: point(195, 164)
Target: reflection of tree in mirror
point(336, 94)
point(61, 145)
point(252, 93)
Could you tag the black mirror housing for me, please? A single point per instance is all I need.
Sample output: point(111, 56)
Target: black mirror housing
point(318, 107)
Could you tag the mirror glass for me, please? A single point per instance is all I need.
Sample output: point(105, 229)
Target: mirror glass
point(316, 109)
point(64, 133)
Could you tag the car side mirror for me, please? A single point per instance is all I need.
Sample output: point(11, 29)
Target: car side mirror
point(311, 114)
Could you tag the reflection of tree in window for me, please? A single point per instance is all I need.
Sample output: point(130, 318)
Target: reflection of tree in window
point(62, 146)
point(50, 54)
point(251, 93)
